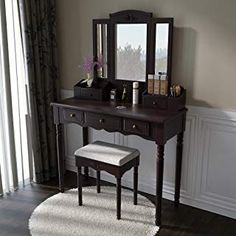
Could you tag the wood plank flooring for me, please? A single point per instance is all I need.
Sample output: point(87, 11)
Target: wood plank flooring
point(16, 209)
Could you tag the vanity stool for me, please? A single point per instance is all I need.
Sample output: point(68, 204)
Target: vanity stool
point(114, 159)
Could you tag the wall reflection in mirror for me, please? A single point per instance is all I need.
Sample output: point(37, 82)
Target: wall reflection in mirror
point(161, 48)
point(102, 49)
point(130, 52)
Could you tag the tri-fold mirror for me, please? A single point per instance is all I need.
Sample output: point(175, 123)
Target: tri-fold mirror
point(133, 44)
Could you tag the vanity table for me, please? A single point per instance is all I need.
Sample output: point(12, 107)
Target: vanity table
point(156, 119)
point(149, 123)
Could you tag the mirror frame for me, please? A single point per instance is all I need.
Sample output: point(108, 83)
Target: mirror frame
point(170, 22)
point(132, 17)
point(95, 55)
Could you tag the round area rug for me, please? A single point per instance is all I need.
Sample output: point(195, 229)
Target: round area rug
point(61, 215)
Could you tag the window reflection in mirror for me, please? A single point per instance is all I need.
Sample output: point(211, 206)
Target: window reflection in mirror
point(130, 58)
point(102, 49)
point(161, 51)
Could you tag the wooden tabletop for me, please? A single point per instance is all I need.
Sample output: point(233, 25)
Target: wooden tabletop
point(139, 111)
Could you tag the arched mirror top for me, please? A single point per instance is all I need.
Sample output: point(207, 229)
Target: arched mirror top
point(130, 16)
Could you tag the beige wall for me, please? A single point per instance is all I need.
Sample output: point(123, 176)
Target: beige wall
point(204, 54)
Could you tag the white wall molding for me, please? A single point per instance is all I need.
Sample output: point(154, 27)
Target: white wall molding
point(215, 113)
point(209, 161)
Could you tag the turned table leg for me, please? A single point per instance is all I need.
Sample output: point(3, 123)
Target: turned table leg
point(60, 155)
point(159, 182)
point(178, 166)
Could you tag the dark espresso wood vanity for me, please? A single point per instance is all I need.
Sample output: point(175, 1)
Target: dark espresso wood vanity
point(151, 120)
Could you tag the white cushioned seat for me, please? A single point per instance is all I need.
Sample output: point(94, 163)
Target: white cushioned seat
point(108, 153)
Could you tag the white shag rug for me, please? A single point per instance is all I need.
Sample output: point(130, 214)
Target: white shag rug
point(61, 215)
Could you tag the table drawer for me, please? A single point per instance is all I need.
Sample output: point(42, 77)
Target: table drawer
point(70, 115)
point(136, 127)
point(99, 121)
point(91, 93)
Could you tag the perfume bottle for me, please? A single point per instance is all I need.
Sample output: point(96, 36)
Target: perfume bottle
point(157, 84)
point(150, 84)
point(113, 95)
point(164, 85)
point(135, 92)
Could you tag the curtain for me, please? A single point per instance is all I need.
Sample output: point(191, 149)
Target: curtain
point(39, 33)
point(28, 84)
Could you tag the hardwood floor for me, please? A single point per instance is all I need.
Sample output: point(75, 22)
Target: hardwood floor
point(16, 209)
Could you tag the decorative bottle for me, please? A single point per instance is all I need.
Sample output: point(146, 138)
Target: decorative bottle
point(150, 84)
point(135, 92)
point(164, 85)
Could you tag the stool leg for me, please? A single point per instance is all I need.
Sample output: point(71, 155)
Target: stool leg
point(135, 185)
point(79, 184)
point(118, 197)
point(86, 172)
point(98, 182)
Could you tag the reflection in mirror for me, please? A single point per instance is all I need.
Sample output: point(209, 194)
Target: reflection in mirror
point(130, 58)
point(161, 51)
point(102, 49)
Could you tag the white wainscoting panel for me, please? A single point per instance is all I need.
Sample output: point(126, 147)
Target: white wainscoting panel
point(209, 159)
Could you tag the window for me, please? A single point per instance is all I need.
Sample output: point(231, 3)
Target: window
point(18, 93)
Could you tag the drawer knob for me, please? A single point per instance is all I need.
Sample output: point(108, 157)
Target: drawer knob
point(134, 126)
point(154, 103)
point(72, 115)
point(101, 121)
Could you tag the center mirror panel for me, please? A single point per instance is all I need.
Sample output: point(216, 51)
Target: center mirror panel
point(131, 52)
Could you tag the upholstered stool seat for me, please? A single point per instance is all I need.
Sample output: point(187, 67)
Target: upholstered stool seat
point(114, 159)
